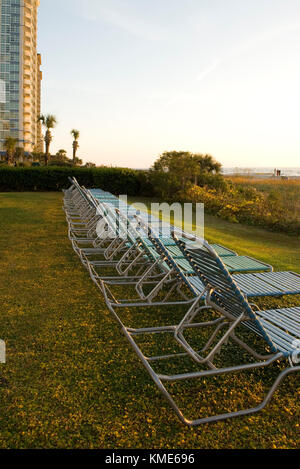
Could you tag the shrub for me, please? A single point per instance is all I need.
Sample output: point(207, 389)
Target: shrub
point(169, 188)
point(115, 180)
point(246, 206)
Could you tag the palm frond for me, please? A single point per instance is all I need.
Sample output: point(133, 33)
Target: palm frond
point(76, 134)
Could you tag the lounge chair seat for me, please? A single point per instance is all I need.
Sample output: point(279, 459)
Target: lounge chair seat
point(265, 284)
point(269, 283)
point(282, 326)
point(223, 251)
point(245, 264)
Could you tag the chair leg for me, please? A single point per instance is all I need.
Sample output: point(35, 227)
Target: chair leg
point(159, 380)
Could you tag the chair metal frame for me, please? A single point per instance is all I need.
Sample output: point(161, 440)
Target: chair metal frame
point(230, 320)
point(223, 296)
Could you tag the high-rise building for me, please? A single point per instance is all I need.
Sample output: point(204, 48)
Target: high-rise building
point(20, 74)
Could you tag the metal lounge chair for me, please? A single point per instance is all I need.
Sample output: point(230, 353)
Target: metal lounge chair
point(235, 263)
point(257, 284)
point(140, 262)
point(107, 214)
point(252, 285)
point(232, 260)
point(279, 330)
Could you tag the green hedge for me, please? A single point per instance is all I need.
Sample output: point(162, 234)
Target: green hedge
point(115, 180)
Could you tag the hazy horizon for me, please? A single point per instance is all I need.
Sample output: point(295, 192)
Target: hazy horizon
point(139, 78)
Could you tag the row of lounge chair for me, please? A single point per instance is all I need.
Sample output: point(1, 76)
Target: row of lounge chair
point(166, 267)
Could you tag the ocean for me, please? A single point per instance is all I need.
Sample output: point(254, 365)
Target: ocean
point(267, 171)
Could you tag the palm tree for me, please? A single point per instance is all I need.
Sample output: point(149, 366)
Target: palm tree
point(205, 164)
point(49, 122)
point(62, 155)
point(10, 148)
point(19, 154)
point(76, 134)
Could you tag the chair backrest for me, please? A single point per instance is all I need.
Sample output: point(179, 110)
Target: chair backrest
point(224, 292)
point(158, 243)
point(76, 184)
point(136, 236)
point(118, 223)
point(73, 181)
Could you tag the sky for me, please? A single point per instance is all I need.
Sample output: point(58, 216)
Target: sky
point(140, 77)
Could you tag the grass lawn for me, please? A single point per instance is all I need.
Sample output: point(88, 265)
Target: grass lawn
point(72, 380)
